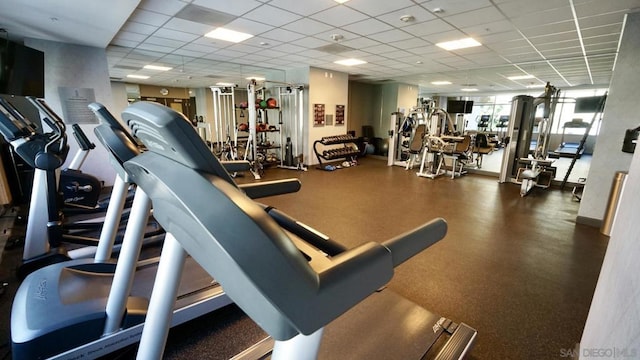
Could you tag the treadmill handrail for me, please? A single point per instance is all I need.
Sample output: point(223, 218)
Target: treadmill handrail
point(246, 250)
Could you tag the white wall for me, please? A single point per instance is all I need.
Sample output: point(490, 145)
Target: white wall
point(330, 88)
point(407, 96)
point(620, 113)
point(78, 66)
point(613, 324)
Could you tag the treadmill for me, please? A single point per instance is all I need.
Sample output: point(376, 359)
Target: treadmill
point(570, 149)
point(83, 309)
point(294, 281)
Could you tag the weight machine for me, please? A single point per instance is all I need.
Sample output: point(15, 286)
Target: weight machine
point(405, 140)
point(520, 164)
point(291, 100)
point(225, 125)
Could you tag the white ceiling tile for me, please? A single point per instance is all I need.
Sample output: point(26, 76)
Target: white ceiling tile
point(419, 14)
point(289, 48)
point(602, 47)
point(149, 17)
point(591, 40)
point(375, 8)
point(167, 7)
point(367, 27)
point(304, 8)
point(200, 48)
point(187, 26)
point(230, 53)
point(424, 50)
point(544, 18)
point(380, 49)
point(271, 15)
point(429, 27)
point(263, 42)
point(601, 30)
point(129, 36)
point(475, 17)
point(327, 35)
point(485, 29)
point(497, 39)
point(307, 26)
point(158, 48)
point(590, 8)
point(451, 7)
point(411, 43)
point(339, 16)
point(445, 36)
point(139, 28)
point(156, 40)
point(282, 35)
point(599, 20)
point(310, 42)
point(125, 43)
point(176, 35)
point(248, 26)
point(549, 29)
point(390, 36)
point(186, 52)
point(561, 36)
point(236, 7)
point(360, 42)
point(519, 8)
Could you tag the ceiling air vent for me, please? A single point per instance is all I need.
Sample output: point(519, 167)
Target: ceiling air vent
point(203, 15)
point(334, 48)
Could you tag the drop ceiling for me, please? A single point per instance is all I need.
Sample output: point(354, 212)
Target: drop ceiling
point(569, 43)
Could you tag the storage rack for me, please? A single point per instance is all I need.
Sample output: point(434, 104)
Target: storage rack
point(349, 151)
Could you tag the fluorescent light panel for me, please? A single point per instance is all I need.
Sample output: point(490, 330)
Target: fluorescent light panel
point(157, 67)
point(469, 89)
point(350, 62)
point(441, 82)
point(225, 84)
point(458, 44)
point(228, 35)
point(137, 76)
point(521, 77)
point(341, 1)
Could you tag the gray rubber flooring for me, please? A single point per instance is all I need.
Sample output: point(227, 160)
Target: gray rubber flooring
point(519, 270)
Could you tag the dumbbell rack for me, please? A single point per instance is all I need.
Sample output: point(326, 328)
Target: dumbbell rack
point(349, 152)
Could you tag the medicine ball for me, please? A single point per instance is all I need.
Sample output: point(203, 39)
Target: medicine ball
point(263, 104)
point(272, 103)
point(243, 127)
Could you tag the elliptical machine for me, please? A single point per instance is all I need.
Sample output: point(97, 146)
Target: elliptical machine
point(46, 152)
point(79, 189)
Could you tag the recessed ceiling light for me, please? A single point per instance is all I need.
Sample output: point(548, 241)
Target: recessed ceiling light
point(469, 89)
point(533, 86)
point(458, 44)
point(225, 84)
point(157, 67)
point(521, 77)
point(138, 76)
point(228, 35)
point(350, 62)
point(441, 82)
point(341, 1)
point(256, 78)
point(407, 18)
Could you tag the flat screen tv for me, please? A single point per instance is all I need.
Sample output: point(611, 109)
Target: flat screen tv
point(21, 70)
point(459, 107)
point(588, 104)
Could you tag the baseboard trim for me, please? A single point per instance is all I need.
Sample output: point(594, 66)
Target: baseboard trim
point(589, 221)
